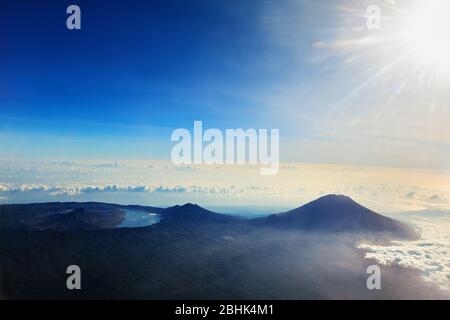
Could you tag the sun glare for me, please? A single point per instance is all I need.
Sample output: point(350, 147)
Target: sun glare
point(428, 32)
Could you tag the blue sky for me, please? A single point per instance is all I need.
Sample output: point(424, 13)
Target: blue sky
point(138, 70)
point(158, 63)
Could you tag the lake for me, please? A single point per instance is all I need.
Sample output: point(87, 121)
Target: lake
point(137, 218)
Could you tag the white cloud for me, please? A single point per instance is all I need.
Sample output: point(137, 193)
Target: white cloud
point(381, 189)
point(430, 254)
point(436, 199)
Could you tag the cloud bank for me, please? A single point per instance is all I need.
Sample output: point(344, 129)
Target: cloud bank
point(430, 254)
point(161, 182)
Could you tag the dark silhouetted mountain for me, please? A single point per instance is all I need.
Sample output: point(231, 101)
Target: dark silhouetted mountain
point(82, 219)
point(337, 213)
point(66, 215)
point(332, 213)
point(194, 253)
point(192, 213)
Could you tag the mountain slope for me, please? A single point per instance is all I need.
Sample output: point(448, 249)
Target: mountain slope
point(337, 213)
point(81, 219)
point(192, 213)
point(332, 213)
point(66, 215)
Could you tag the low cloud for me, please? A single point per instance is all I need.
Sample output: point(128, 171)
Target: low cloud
point(56, 190)
point(436, 199)
point(380, 189)
point(430, 254)
point(410, 195)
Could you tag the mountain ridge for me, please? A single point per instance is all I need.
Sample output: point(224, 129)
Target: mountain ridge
point(192, 213)
point(330, 213)
point(337, 213)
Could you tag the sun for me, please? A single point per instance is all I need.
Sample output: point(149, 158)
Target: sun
point(427, 32)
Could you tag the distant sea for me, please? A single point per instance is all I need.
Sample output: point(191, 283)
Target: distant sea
point(248, 212)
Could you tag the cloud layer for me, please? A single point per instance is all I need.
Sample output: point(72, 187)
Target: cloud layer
point(161, 182)
point(430, 254)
